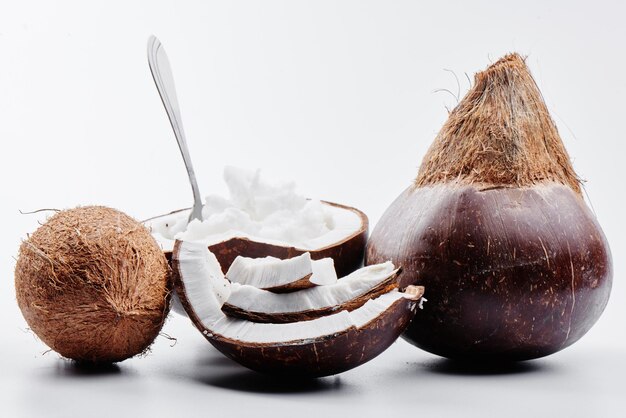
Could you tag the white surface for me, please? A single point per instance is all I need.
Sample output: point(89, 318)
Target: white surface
point(338, 96)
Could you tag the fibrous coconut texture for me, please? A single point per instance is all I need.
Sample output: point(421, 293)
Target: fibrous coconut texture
point(495, 227)
point(93, 284)
point(499, 135)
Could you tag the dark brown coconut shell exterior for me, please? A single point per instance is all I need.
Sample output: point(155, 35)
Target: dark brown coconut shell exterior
point(522, 284)
point(277, 318)
point(347, 254)
point(324, 356)
point(496, 228)
point(93, 284)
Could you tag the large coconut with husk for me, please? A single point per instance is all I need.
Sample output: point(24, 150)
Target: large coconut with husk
point(496, 227)
point(93, 284)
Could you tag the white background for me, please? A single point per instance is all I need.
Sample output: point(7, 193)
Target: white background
point(336, 95)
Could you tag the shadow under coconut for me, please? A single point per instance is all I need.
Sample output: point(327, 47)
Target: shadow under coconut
point(482, 368)
point(245, 380)
point(70, 368)
point(217, 370)
point(218, 360)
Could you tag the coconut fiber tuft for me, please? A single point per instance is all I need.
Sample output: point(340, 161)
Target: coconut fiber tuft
point(499, 135)
point(93, 284)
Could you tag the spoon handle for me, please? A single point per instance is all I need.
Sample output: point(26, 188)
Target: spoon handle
point(162, 75)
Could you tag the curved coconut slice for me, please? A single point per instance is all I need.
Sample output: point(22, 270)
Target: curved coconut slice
point(345, 243)
point(280, 276)
point(319, 347)
point(272, 273)
point(349, 293)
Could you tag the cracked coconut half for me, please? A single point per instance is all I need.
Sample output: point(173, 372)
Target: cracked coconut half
point(353, 323)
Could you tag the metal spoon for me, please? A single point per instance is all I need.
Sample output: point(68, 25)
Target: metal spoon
point(162, 75)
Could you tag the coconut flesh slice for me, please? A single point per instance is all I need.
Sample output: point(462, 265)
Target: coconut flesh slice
point(271, 273)
point(349, 293)
point(323, 272)
point(261, 219)
point(317, 347)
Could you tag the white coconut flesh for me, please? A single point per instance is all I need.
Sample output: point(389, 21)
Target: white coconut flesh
point(323, 272)
point(262, 212)
point(272, 272)
point(349, 288)
point(204, 301)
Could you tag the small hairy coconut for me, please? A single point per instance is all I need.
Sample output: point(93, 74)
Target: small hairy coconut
point(495, 226)
point(93, 284)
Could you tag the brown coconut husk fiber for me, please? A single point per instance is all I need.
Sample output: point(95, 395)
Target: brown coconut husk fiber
point(93, 284)
point(499, 135)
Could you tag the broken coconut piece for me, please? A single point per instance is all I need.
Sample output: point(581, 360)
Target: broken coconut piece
point(323, 272)
point(349, 293)
point(261, 219)
point(276, 275)
point(318, 347)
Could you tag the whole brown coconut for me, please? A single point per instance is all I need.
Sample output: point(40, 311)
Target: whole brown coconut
point(496, 228)
point(93, 284)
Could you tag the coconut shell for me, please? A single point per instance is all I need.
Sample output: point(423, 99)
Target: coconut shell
point(347, 254)
point(325, 356)
point(93, 284)
point(522, 284)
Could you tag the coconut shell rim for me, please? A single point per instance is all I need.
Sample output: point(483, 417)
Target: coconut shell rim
point(361, 230)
